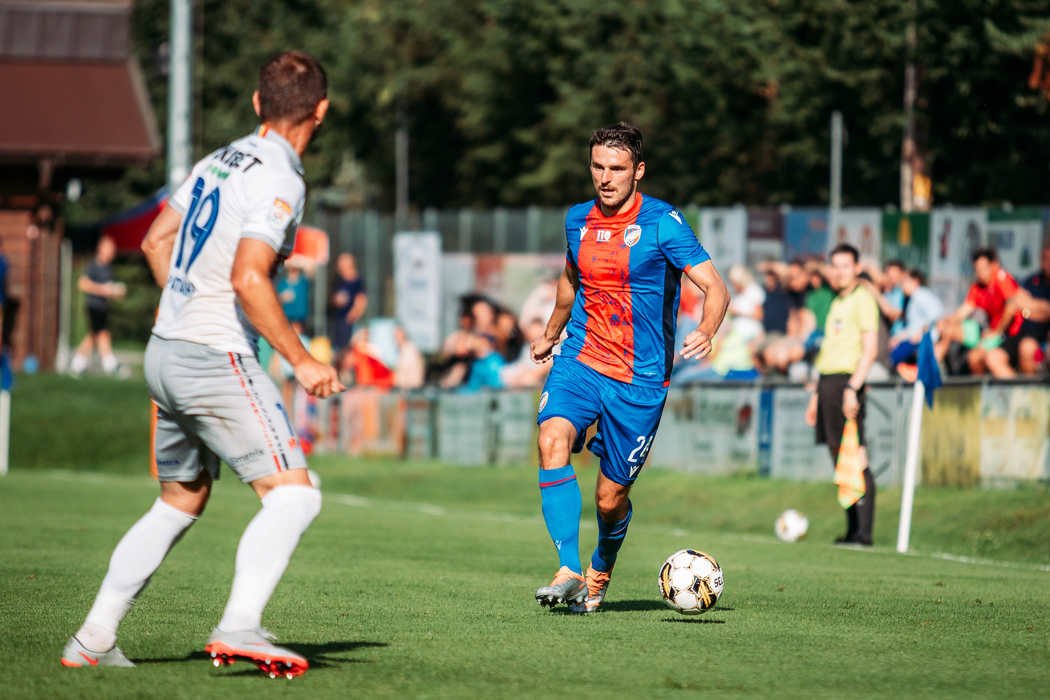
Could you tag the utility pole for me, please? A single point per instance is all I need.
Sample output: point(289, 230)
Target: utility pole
point(836, 161)
point(180, 93)
point(908, 145)
point(401, 165)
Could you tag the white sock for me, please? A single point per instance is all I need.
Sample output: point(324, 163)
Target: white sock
point(266, 546)
point(79, 363)
point(109, 363)
point(134, 561)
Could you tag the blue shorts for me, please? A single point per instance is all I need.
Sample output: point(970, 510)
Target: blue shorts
point(627, 415)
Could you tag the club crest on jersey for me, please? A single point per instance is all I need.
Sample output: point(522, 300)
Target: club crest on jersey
point(543, 401)
point(280, 213)
point(632, 234)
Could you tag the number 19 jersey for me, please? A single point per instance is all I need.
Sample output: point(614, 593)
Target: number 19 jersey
point(252, 188)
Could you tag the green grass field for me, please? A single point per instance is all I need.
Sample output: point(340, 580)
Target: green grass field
point(417, 581)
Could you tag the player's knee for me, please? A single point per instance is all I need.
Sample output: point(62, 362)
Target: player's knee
point(612, 506)
point(304, 500)
point(553, 443)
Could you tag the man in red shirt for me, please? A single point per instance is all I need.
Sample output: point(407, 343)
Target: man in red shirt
point(993, 287)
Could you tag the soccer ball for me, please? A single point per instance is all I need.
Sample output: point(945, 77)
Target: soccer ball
point(691, 582)
point(791, 526)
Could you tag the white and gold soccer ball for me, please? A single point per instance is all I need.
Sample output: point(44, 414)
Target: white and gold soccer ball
point(791, 526)
point(691, 582)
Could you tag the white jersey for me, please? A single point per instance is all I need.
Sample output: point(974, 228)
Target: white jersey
point(252, 188)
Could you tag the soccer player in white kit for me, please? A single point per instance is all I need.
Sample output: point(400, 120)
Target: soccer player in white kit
point(214, 250)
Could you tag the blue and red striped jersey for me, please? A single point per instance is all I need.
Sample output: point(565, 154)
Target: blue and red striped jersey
point(630, 269)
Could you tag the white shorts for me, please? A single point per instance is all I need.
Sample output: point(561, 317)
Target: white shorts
point(215, 406)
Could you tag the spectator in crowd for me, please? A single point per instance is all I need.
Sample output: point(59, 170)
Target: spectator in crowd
point(483, 316)
point(846, 356)
point(3, 294)
point(410, 371)
point(293, 289)
point(797, 288)
point(891, 293)
point(923, 310)
point(1025, 351)
point(349, 300)
point(364, 359)
point(523, 372)
point(746, 305)
point(485, 369)
point(992, 289)
point(819, 297)
point(97, 283)
point(776, 309)
point(509, 340)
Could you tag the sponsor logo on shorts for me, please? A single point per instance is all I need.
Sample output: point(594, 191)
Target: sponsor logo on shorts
point(280, 213)
point(167, 462)
point(543, 401)
point(241, 459)
point(632, 234)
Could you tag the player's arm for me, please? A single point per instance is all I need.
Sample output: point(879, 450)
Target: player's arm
point(160, 242)
point(258, 299)
point(542, 348)
point(963, 312)
point(888, 310)
point(716, 300)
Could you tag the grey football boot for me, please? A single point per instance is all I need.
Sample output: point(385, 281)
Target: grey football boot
point(567, 587)
point(597, 587)
point(76, 654)
point(257, 646)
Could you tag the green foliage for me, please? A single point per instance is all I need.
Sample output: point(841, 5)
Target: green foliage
point(734, 97)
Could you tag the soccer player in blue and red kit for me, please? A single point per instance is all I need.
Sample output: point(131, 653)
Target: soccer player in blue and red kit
point(619, 298)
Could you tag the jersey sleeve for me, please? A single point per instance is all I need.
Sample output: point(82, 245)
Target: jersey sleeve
point(1007, 285)
point(678, 242)
point(868, 314)
point(273, 209)
point(180, 201)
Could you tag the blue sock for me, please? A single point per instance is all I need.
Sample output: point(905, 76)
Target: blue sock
point(561, 511)
point(610, 538)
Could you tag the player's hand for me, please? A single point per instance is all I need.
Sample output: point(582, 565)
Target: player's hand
point(850, 404)
point(811, 411)
point(542, 349)
point(697, 344)
point(318, 379)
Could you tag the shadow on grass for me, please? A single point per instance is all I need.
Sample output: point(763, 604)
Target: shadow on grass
point(319, 656)
point(695, 620)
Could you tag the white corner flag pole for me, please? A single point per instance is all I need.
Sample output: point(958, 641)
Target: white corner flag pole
point(911, 467)
point(5, 429)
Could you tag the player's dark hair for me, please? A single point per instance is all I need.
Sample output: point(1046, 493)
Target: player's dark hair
point(894, 263)
point(988, 254)
point(623, 137)
point(845, 248)
point(917, 275)
point(291, 85)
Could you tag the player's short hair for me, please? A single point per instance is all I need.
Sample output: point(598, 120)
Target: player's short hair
point(845, 248)
point(291, 85)
point(894, 263)
point(988, 254)
point(623, 137)
point(917, 275)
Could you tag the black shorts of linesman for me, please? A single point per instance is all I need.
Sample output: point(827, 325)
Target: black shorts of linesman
point(849, 350)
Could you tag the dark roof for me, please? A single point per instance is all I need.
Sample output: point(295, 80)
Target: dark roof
point(42, 29)
point(76, 113)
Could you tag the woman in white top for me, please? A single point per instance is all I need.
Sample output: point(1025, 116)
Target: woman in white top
point(746, 304)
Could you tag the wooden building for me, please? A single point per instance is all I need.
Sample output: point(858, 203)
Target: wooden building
point(73, 104)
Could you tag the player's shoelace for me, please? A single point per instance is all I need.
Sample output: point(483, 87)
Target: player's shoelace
point(596, 580)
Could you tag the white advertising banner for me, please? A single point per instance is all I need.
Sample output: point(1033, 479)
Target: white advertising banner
point(954, 235)
point(1018, 237)
point(861, 228)
point(723, 233)
point(417, 287)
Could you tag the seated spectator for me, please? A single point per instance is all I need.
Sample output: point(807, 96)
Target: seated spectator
point(746, 304)
point(923, 310)
point(410, 370)
point(797, 287)
point(293, 289)
point(368, 369)
point(776, 308)
point(523, 372)
point(730, 360)
point(992, 289)
point(508, 336)
point(1032, 304)
point(485, 370)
